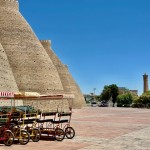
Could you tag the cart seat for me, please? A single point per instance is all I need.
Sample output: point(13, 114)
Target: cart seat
point(14, 122)
point(33, 119)
point(60, 121)
point(44, 120)
point(2, 124)
point(31, 115)
point(64, 114)
point(4, 116)
point(6, 123)
point(49, 113)
point(15, 115)
point(29, 121)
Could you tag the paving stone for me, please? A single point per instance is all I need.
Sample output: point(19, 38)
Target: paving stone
point(113, 129)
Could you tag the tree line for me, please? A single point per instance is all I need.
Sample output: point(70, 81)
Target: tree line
point(125, 99)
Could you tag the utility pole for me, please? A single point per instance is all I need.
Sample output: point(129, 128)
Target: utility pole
point(94, 93)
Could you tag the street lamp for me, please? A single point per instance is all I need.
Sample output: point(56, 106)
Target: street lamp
point(94, 90)
point(94, 93)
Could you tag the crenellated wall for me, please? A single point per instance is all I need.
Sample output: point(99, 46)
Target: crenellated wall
point(47, 46)
point(26, 64)
point(31, 66)
point(9, 4)
point(69, 84)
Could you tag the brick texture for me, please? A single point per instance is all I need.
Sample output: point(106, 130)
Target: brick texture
point(30, 66)
point(69, 84)
point(7, 81)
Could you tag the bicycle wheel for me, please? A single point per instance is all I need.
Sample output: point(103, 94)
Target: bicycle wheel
point(69, 132)
point(8, 138)
point(24, 137)
point(36, 135)
point(59, 134)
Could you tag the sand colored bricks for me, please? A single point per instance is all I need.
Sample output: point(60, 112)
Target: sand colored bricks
point(69, 84)
point(34, 66)
point(30, 64)
point(7, 81)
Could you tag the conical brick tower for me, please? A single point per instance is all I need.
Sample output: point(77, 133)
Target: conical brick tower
point(32, 68)
point(83, 103)
point(7, 81)
point(67, 80)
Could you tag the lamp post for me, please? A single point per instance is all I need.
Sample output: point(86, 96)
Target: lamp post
point(94, 90)
point(94, 93)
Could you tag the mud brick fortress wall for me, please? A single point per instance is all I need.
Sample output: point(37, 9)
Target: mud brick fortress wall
point(69, 84)
point(7, 80)
point(31, 67)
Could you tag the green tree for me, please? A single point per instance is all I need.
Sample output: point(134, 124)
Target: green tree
point(124, 100)
point(97, 97)
point(114, 92)
point(106, 93)
point(110, 91)
point(143, 100)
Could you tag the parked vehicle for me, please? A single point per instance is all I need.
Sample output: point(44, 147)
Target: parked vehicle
point(103, 103)
point(93, 104)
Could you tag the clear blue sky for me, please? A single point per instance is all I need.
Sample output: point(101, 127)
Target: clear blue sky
point(102, 41)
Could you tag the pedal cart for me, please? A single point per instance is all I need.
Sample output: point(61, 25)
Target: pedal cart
point(6, 135)
point(33, 121)
point(50, 122)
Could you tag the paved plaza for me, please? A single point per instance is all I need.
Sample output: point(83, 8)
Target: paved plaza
point(100, 128)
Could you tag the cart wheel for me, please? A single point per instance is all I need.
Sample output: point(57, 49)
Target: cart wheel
point(8, 138)
point(24, 137)
point(59, 134)
point(69, 132)
point(36, 135)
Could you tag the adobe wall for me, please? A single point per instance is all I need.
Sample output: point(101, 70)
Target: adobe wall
point(82, 99)
point(9, 4)
point(49, 105)
point(32, 68)
point(67, 80)
point(7, 81)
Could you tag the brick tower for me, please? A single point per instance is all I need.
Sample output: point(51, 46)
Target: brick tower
point(31, 66)
point(145, 80)
point(28, 66)
point(69, 84)
point(7, 80)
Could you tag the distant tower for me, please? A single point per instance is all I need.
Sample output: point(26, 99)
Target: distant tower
point(145, 79)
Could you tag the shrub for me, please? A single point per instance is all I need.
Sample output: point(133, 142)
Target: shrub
point(124, 100)
point(142, 101)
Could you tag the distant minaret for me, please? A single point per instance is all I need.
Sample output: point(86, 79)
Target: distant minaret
point(145, 79)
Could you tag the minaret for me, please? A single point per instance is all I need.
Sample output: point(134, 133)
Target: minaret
point(145, 79)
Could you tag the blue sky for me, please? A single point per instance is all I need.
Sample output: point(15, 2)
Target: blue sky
point(102, 41)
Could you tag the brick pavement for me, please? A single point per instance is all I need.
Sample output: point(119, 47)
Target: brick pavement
point(101, 129)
